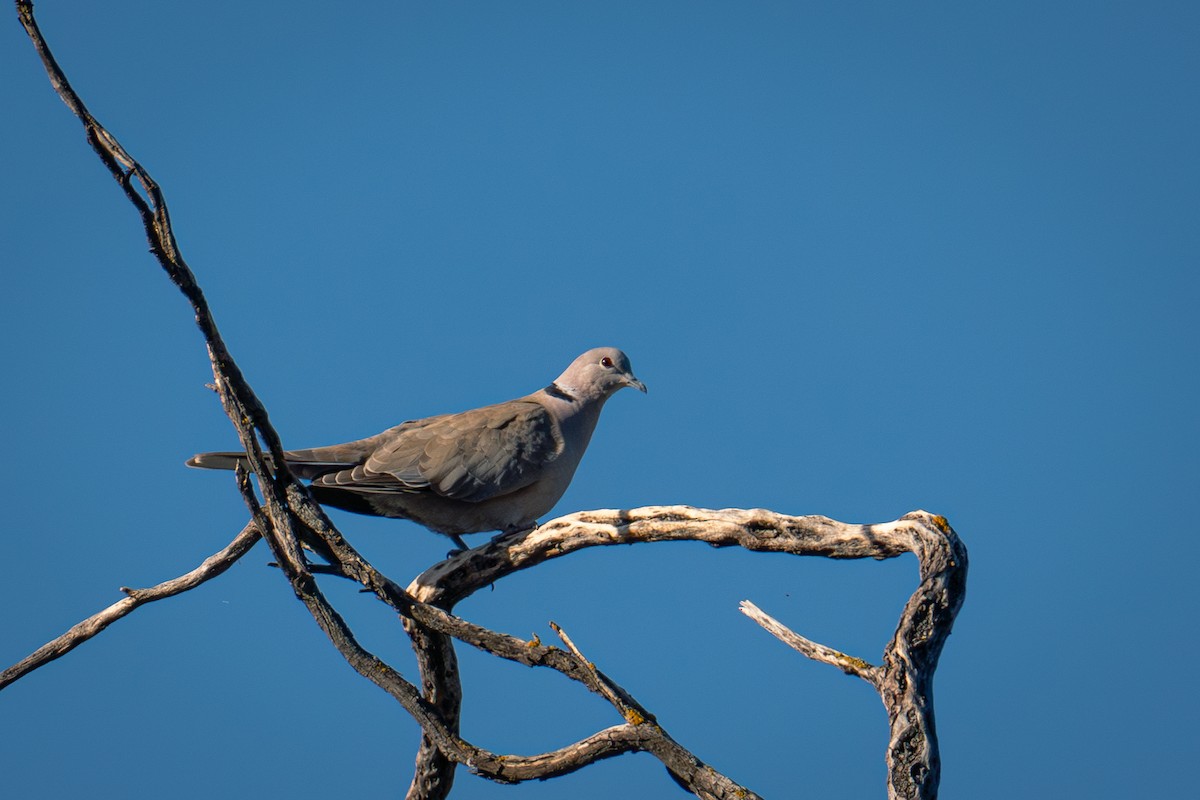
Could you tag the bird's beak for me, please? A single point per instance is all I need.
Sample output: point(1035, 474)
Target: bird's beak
point(636, 384)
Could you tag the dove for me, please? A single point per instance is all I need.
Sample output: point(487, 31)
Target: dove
point(495, 468)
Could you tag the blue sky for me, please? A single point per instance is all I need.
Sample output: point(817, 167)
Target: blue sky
point(868, 258)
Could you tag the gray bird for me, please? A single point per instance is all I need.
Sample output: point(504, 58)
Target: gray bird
point(496, 468)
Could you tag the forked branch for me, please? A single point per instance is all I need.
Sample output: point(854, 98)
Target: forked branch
point(285, 515)
point(905, 681)
point(910, 659)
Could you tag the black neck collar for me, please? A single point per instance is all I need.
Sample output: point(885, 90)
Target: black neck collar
point(554, 390)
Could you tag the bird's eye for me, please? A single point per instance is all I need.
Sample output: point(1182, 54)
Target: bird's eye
point(606, 362)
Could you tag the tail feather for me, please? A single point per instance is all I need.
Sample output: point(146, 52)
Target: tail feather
point(228, 460)
point(303, 463)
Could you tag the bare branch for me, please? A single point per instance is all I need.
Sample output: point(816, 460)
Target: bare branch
point(910, 659)
point(286, 514)
point(633, 712)
point(241, 405)
point(913, 748)
point(753, 529)
point(280, 518)
point(814, 650)
point(430, 626)
point(210, 568)
point(905, 680)
point(701, 779)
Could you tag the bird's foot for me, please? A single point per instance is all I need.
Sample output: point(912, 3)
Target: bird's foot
point(461, 545)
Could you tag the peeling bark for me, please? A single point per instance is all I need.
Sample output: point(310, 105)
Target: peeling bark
point(285, 516)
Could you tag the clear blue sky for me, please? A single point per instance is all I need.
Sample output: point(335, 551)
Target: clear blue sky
point(868, 257)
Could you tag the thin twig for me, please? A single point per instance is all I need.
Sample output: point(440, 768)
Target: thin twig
point(286, 513)
point(210, 568)
point(814, 650)
point(278, 512)
point(909, 661)
point(633, 712)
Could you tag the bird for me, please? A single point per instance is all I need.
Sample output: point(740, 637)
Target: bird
point(495, 468)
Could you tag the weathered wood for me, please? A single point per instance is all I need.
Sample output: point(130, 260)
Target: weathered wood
point(211, 567)
point(284, 515)
point(905, 680)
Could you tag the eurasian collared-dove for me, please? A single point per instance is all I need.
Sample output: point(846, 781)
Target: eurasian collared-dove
point(494, 468)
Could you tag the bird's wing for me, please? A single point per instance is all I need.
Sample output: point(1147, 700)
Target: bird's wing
point(472, 456)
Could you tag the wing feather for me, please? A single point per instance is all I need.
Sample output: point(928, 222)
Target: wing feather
point(472, 456)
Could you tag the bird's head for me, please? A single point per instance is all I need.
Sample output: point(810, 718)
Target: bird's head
point(597, 374)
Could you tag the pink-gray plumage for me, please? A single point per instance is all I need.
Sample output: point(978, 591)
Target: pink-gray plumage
point(496, 468)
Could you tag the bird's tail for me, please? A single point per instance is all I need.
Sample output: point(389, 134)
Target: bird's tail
point(225, 460)
point(307, 464)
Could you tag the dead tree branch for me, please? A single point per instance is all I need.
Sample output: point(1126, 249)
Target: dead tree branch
point(210, 568)
point(431, 627)
point(285, 502)
point(284, 514)
point(905, 680)
point(814, 650)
